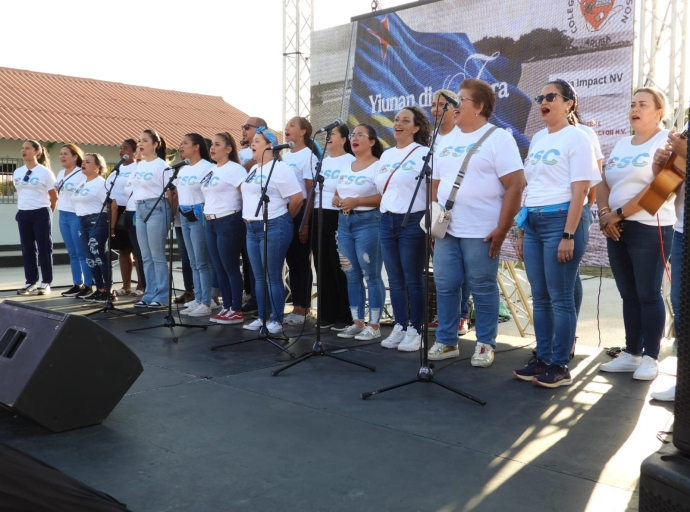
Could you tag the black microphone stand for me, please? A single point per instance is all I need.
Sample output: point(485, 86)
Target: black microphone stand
point(426, 372)
point(108, 307)
point(169, 321)
point(263, 331)
point(318, 349)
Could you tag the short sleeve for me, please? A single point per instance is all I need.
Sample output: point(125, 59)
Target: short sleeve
point(286, 183)
point(582, 161)
point(506, 155)
point(309, 167)
point(235, 176)
point(49, 179)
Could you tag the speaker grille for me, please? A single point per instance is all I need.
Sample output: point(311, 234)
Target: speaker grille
point(652, 502)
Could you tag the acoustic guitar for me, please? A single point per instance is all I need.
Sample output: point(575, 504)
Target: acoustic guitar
point(666, 183)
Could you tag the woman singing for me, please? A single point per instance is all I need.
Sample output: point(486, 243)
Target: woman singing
point(36, 201)
point(403, 249)
point(633, 235)
point(129, 169)
point(359, 228)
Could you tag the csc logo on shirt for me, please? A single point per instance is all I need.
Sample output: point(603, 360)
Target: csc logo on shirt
point(256, 179)
point(457, 151)
point(546, 157)
point(83, 192)
point(636, 161)
point(353, 180)
point(333, 175)
point(67, 187)
point(188, 180)
point(143, 176)
point(409, 165)
point(213, 182)
point(20, 181)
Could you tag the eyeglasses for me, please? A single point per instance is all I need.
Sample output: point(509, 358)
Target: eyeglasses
point(468, 99)
point(26, 176)
point(548, 97)
point(354, 136)
point(248, 126)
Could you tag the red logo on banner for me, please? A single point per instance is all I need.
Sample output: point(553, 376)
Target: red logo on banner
point(596, 12)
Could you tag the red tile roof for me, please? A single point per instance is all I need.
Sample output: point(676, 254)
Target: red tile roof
point(61, 108)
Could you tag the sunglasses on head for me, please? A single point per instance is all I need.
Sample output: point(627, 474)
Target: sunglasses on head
point(248, 126)
point(548, 97)
point(26, 176)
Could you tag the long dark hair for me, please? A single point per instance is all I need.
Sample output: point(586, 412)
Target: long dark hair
point(423, 135)
point(198, 140)
point(230, 141)
point(344, 132)
point(305, 125)
point(568, 92)
point(377, 148)
point(42, 157)
point(161, 150)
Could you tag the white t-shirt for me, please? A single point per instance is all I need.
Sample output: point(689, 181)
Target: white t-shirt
point(593, 138)
point(478, 203)
point(120, 193)
point(358, 184)
point(33, 193)
point(629, 170)
point(331, 170)
point(129, 186)
point(220, 189)
point(88, 197)
point(188, 183)
point(403, 183)
point(303, 164)
point(149, 179)
point(554, 162)
point(439, 138)
point(283, 184)
point(65, 186)
point(245, 155)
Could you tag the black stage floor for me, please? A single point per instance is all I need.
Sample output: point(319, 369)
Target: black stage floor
point(204, 431)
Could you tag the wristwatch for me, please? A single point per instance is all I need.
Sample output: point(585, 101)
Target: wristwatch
point(619, 212)
point(568, 236)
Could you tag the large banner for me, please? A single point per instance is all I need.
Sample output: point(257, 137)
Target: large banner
point(400, 58)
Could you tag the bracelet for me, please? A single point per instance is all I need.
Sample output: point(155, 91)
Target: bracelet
point(357, 203)
point(604, 210)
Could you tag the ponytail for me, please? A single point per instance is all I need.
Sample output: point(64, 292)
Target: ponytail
point(42, 158)
point(198, 140)
point(161, 150)
point(566, 90)
point(100, 162)
point(305, 125)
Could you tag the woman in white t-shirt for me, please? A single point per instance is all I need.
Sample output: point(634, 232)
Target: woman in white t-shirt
point(129, 147)
point(88, 199)
point(36, 201)
point(481, 216)
point(151, 177)
point(560, 168)
point(359, 230)
point(635, 251)
point(285, 201)
point(225, 231)
point(403, 249)
point(191, 208)
point(335, 309)
point(69, 178)
point(302, 159)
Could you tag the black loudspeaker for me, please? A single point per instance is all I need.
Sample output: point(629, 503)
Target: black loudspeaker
point(665, 482)
point(61, 371)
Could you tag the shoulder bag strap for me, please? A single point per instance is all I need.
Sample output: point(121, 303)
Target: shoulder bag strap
point(398, 167)
point(65, 180)
point(456, 186)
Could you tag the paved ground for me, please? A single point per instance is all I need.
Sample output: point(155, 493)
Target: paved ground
point(213, 431)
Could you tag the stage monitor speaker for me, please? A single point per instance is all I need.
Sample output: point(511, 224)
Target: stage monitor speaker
point(665, 482)
point(62, 371)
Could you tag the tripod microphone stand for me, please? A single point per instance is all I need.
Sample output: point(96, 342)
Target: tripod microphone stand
point(263, 331)
point(318, 349)
point(425, 373)
point(169, 321)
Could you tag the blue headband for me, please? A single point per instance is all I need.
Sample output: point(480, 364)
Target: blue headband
point(264, 131)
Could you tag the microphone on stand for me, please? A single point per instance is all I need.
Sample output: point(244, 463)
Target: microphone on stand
point(122, 161)
point(453, 102)
point(287, 145)
point(329, 127)
point(178, 165)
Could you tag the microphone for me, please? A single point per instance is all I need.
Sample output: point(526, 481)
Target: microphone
point(454, 103)
point(287, 145)
point(329, 127)
point(117, 165)
point(178, 165)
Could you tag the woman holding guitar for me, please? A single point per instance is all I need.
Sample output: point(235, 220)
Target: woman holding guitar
point(636, 239)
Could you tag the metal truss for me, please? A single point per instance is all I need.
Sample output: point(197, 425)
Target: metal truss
point(298, 17)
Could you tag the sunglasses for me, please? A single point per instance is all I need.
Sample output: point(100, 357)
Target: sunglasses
point(354, 136)
point(248, 126)
point(206, 179)
point(26, 176)
point(548, 97)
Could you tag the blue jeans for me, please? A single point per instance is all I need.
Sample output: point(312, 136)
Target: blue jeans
point(187, 275)
point(403, 255)
point(638, 269)
point(676, 276)
point(458, 261)
point(552, 283)
point(465, 299)
point(280, 233)
point(93, 238)
point(130, 222)
point(360, 257)
point(587, 220)
point(194, 235)
point(152, 237)
point(225, 238)
point(70, 228)
point(35, 235)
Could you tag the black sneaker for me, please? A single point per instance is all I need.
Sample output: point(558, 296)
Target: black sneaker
point(554, 377)
point(92, 297)
point(534, 367)
point(85, 292)
point(101, 297)
point(250, 307)
point(339, 326)
point(27, 289)
point(72, 292)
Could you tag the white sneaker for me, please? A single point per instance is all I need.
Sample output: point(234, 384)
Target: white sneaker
point(368, 333)
point(668, 395)
point(351, 331)
point(439, 352)
point(412, 341)
point(215, 305)
point(483, 355)
point(274, 327)
point(254, 326)
point(625, 362)
point(395, 338)
point(191, 308)
point(287, 318)
point(648, 369)
point(201, 310)
point(44, 289)
point(191, 303)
